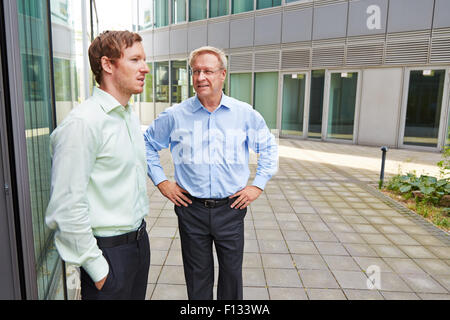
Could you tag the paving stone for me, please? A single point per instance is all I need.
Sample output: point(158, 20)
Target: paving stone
point(399, 295)
point(352, 237)
point(326, 294)
point(434, 266)
point(322, 236)
point(417, 252)
point(432, 296)
point(363, 295)
point(340, 263)
point(388, 251)
point(360, 250)
point(255, 293)
point(318, 279)
point(309, 262)
point(287, 294)
point(277, 261)
point(331, 248)
point(422, 283)
point(369, 262)
point(301, 247)
point(403, 265)
point(351, 279)
point(253, 277)
point(282, 278)
point(172, 275)
point(169, 292)
point(296, 235)
point(272, 246)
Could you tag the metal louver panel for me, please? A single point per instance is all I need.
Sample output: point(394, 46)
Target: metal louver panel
point(440, 46)
point(295, 59)
point(268, 60)
point(241, 62)
point(408, 47)
point(328, 56)
point(365, 54)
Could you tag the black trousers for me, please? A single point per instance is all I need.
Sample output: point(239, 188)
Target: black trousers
point(201, 226)
point(128, 273)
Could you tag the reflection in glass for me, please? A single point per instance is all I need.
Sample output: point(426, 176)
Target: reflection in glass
point(293, 104)
point(423, 109)
point(147, 94)
point(241, 86)
point(262, 4)
point(161, 13)
point(179, 81)
point(239, 6)
point(161, 86)
point(197, 10)
point(341, 114)
point(218, 8)
point(316, 104)
point(178, 11)
point(145, 14)
point(38, 112)
point(266, 96)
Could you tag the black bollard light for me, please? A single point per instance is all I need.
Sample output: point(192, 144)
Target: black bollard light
point(384, 149)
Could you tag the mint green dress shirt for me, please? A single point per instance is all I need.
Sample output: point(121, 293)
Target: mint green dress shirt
point(98, 184)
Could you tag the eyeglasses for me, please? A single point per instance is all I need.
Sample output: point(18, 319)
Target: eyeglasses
point(207, 73)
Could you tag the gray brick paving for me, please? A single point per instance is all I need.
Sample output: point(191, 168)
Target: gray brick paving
point(319, 231)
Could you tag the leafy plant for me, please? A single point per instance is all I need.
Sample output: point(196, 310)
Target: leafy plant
point(444, 164)
point(431, 188)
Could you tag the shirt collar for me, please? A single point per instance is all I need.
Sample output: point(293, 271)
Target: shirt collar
point(224, 102)
point(107, 101)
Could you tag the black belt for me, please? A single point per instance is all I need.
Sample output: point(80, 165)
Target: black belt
point(114, 241)
point(211, 203)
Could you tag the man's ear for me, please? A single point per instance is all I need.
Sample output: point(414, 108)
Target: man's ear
point(106, 64)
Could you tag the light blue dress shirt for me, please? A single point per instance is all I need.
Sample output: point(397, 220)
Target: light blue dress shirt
point(210, 150)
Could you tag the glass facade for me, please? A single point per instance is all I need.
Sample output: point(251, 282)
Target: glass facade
point(161, 13)
point(238, 6)
point(218, 8)
point(241, 86)
point(423, 110)
point(262, 4)
point(178, 11)
point(293, 104)
point(342, 102)
point(266, 96)
point(38, 103)
point(145, 13)
point(147, 94)
point(197, 10)
point(179, 80)
point(316, 104)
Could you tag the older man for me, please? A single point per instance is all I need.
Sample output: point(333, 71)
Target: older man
point(98, 197)
point(209, 136)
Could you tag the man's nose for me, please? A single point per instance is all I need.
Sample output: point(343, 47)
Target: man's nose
point(145, 68)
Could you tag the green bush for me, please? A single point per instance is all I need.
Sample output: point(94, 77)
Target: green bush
point(433, 189)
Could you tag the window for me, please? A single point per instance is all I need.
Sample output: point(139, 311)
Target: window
point(316, 103)
point(179, 81)
point(293, 104)
point(147, 94)
point(162, 81)
point(197, 10)
point(218, 8)
point(266, 96)
point(241, 86)
point(262, 4)
point(38, 113)
point(145, 14)
point(341, 113)
point(178, 11)
point(239, 6)
point(423, 110)
point(161, 13)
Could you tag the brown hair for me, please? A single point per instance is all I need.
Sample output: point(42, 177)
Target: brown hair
point(109, 44)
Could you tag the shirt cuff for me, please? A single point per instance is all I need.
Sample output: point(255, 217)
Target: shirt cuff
point(260, 182)
point(97, 268)
point(157, 176)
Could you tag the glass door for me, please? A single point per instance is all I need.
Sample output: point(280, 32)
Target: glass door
point(293, 104)
point(422, 112)
point(341, 108)
point(316, 104)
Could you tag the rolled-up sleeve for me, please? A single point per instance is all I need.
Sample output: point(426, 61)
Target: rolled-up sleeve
point(74, 148)
point(263, 142)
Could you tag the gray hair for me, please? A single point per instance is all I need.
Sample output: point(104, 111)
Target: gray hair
point(208, 49)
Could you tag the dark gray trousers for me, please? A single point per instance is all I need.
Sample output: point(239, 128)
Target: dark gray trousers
point(128, 273)
point(199, 228)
